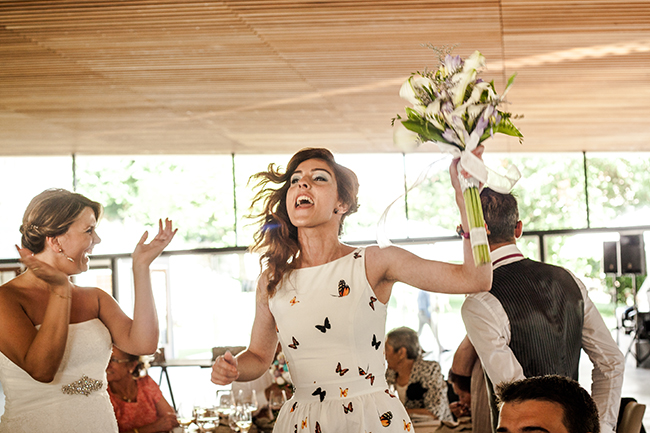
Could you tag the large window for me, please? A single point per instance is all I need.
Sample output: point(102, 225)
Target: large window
point(206, 297)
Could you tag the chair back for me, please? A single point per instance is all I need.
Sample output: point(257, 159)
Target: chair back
point(632, 418)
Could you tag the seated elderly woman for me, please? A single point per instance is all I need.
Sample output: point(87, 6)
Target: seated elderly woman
point(139, 405)
point(419, 383)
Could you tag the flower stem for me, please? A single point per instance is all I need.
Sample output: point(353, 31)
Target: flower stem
point(480, 249)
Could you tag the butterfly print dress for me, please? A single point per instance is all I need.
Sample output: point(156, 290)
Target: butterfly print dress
point(332, 330)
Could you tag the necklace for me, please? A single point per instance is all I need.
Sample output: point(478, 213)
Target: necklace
point(125, 397)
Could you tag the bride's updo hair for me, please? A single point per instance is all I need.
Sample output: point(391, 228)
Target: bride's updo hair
point(50, 214)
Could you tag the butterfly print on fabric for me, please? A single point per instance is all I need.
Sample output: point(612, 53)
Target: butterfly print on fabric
point(344, 392)
point(357, 255)
point(293, 407)
point(385, 418)
point(344, 289)
point(317, 430)
point(348, 408)
point(407, 426)
point(372, 302)
point(320, 393)
point(387, 391)
point(294, 344)
point(293, 301)
point(295, 428)
point(341, 371)
point(303, 424)
point(368, 375)
point(375, 343)
point(325, 326)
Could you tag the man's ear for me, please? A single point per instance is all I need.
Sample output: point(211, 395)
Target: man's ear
point(519, 229)
point(402, 352)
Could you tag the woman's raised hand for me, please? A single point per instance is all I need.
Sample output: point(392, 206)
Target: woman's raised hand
point(144, 253)
point(225, 370)
point(42, 270)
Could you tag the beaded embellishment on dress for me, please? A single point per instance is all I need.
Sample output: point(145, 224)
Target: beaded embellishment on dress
point(84, 386)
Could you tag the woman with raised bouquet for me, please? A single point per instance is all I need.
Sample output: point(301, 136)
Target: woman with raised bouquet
point(326, 301)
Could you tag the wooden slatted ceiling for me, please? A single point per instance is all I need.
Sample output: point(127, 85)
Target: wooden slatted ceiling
point(271, 76)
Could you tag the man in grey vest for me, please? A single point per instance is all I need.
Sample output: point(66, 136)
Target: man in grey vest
point(537, 317)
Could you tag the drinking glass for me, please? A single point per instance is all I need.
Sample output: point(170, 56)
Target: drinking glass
point(243, 418)
point(225, 402)
point(185, 416)
point(207, 418)
point(247, 399)
point(276, 399)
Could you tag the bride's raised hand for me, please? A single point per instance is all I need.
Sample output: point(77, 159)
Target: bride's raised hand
point(42, 270)
point(145, 253)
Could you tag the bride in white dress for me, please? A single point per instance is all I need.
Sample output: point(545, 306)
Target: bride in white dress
point(57, 337)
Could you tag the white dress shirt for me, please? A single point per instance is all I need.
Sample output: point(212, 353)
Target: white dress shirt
point(488, 329)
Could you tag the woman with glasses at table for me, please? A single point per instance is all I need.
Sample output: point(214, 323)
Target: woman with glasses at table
point(57, 337)
point(139, 405)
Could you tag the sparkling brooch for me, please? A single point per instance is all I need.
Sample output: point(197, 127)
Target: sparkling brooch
point(84, 386)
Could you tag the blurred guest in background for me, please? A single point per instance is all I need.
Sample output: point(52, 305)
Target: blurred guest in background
point(139, 405)
point(467, 378)
point(419, 383)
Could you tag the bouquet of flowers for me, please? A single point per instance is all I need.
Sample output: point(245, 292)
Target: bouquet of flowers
point(457, 110)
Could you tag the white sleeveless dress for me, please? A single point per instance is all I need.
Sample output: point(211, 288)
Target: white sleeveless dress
point(62, 405)
point(332, 331)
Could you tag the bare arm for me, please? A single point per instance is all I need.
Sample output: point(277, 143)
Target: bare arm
point(386, 266)
point(256, 359)
point(40, 352)
point(140, 335)
point(464, 358)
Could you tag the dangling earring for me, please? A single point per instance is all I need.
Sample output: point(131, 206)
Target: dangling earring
point(336, 211)
point(65, 255)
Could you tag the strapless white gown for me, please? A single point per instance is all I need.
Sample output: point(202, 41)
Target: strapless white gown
point(34, 407)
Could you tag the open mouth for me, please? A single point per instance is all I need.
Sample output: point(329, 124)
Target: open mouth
point(303, 200)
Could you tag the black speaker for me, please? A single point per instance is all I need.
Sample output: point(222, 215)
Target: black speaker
point(632, 254)
point(610, 258)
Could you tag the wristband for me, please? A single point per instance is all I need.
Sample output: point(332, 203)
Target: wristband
point(462, 233)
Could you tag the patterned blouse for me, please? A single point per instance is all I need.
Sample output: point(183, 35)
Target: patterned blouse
point(426, 388)
point(141, 412)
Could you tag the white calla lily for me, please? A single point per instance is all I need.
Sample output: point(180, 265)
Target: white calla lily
point(405, 139)
point(410, 88)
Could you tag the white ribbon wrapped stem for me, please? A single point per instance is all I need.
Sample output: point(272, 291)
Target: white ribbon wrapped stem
point(478, 236)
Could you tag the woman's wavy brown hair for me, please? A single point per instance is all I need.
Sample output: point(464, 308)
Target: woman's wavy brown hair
point(277, 237)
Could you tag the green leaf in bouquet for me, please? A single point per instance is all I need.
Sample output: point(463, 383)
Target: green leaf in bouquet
point(425, 129)
point(505, 126)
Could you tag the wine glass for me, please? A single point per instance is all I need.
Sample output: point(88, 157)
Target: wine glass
point(207, 416)
point(247, 399)
point(225, 402)
point(243, 418)
point(276, 399)
point(185, 417)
